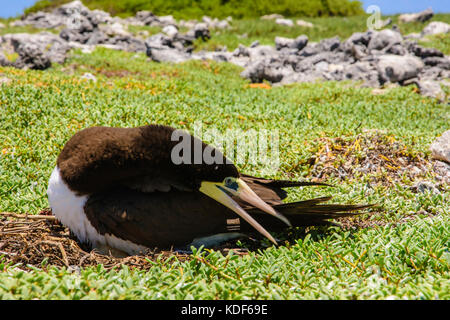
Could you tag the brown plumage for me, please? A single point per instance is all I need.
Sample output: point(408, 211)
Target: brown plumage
point(165, 219)
point(99, 158)
point(130, 188)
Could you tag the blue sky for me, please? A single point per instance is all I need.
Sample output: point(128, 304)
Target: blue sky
point(11, 8)
point(407, 6)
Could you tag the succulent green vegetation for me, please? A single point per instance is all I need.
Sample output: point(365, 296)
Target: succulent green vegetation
point(217, 8)
point(374, 264)
point(406, 257)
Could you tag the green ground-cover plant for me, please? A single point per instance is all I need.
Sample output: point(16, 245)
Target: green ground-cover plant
point(401, 253)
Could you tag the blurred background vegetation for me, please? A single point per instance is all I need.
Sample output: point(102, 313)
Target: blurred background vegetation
point(194, 9)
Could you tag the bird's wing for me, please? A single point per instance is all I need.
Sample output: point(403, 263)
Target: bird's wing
point(154, 182)
point(157, 219)
point(166, 219)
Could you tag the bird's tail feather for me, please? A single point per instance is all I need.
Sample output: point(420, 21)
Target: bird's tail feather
point(307, 213)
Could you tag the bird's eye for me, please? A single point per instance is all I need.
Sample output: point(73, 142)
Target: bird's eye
point(228, 181)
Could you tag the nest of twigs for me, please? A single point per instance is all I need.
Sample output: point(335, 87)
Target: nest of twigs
point(41, 241)
point(379, 156)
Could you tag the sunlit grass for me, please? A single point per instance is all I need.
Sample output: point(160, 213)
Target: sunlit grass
point(406, 258)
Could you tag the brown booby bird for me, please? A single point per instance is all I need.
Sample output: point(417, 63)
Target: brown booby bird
point(119, 190)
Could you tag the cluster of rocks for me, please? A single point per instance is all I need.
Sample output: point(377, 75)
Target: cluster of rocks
point(85, 29)
point(374, 57)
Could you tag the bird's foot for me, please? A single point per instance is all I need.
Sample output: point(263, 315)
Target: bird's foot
point(216, 239)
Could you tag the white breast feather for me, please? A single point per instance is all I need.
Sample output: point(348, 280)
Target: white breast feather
point(68, 208)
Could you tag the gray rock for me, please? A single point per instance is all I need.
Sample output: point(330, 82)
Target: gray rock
point(284, 22)
point(442, 170)
point(384, 38)
point(219, 56)
point(222, 25)
point(374, 57)
point(436, 27)
point(440, 148)
point(32, 56)
point(432, 89)
point(94, 38)
point(330, 44)
point(433, 73)
point(241, 50)
point(298, 43)
point(423, 52)
point(359, 52)
point(303, 23)
point(45, 45)
point(146, 17)
point(281, 42)
point(128, 43)
point(158, 41)
point(397, 49)
point(266, 70)
point(167, 20)
point(114, 29)
point(440, 62)
point(361, 38)
point(161, 48)
point(394, 68)
point(298, 77)
point(100, 16)
point(423, 186)
point(364, 71)
point(70, 8)
point(416, 17)
point(167, 55)
point(272, 16)
point(42, 20)
point(74, 15)
point(74, 35)
point(262, 51)
point(201, 31)
point(254, 44)
point(170, 30)
point(89, 76)
point(309, 51)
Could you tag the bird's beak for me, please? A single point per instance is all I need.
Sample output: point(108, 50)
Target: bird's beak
point(248, 195)
point(219, 192)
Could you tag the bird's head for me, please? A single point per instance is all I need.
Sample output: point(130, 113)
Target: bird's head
point(232, 186)
point(204, 168)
